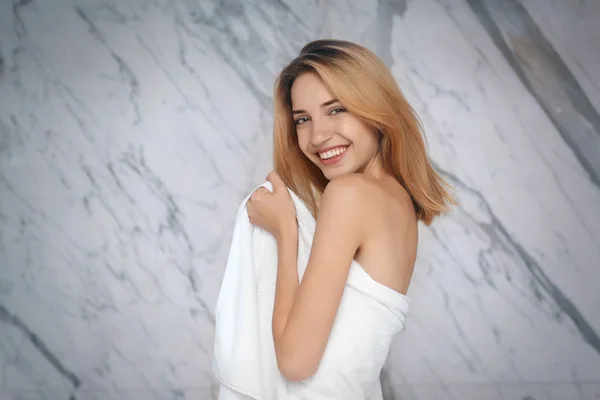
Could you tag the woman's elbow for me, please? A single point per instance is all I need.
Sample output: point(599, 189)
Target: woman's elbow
point(295, 368)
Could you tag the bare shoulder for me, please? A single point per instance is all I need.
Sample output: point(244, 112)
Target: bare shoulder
point(349, 193)
point(345, 185)
point(366, 196)
point(378, 216)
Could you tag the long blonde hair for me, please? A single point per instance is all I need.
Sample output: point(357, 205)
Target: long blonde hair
point(364, 85)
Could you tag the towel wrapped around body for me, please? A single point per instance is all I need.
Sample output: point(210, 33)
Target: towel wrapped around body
point(244, 362)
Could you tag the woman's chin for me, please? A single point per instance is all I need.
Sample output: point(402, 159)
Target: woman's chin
point(331, 175)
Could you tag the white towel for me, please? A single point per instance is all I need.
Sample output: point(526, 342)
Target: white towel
point(244, 361)
point(244, 353)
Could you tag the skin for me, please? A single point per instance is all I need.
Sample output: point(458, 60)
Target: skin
point(364, 214)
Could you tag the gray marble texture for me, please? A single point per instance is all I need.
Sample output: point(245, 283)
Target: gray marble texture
point(131, 130)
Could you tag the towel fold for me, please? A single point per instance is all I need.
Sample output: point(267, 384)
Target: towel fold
point(244, 360)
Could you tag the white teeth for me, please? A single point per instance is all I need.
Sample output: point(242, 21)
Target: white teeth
point(332, 153)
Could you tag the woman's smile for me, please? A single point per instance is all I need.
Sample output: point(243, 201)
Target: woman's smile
point(333, 155)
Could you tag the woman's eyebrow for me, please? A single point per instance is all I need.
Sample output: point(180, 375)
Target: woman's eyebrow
point(328, 102)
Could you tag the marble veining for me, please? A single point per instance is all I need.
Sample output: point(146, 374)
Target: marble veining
point(130, 131)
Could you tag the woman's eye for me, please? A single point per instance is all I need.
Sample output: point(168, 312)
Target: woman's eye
point(301, 120)
point(336, 110)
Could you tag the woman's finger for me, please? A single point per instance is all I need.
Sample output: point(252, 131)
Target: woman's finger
point(259, 193)
point(276, 181)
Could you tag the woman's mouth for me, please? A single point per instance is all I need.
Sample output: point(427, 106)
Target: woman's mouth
point(332, 155)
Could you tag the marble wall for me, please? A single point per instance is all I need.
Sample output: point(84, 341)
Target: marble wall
point(131, 130)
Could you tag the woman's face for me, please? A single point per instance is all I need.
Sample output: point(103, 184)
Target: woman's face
point(332, 138)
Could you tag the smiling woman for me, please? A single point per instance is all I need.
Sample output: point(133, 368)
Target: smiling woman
point(326, 131)
point(350, 146)
point(333, 77)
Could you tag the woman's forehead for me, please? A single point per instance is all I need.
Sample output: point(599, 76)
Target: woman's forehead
point(308, 89)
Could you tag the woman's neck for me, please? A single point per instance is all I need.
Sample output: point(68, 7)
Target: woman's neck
point(375, 168)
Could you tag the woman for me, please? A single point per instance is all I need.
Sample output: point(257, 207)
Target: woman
point(347, 142)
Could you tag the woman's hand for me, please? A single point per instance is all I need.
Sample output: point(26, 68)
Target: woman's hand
point(273, 212)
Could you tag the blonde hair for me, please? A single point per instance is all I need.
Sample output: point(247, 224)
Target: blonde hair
point(364, 85)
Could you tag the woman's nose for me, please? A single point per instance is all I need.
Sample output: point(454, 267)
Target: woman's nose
point(321, 133)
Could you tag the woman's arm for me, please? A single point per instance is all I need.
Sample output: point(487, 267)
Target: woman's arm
point(287, 281)
point(304, 313)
